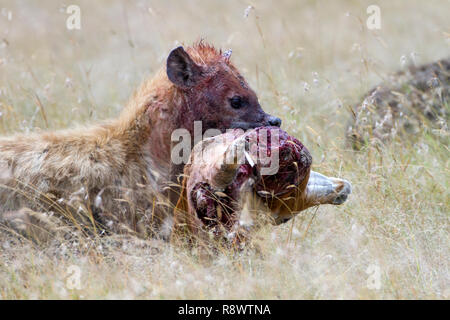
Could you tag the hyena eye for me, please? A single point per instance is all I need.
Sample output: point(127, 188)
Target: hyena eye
point(237, 102)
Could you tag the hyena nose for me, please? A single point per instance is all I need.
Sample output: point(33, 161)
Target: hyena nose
point(274, 121)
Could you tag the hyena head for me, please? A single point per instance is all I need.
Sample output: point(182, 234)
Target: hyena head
point(213, 90)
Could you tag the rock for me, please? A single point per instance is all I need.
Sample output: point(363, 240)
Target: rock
point(404, 105)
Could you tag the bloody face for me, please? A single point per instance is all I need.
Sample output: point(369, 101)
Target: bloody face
point(226, 101)
point(214, 92)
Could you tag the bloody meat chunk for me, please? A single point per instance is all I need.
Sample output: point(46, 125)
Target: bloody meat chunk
point(267, 162)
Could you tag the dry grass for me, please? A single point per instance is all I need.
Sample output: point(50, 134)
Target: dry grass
point(397, 217)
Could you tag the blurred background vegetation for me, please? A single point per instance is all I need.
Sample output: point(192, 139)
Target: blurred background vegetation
point(309, 62)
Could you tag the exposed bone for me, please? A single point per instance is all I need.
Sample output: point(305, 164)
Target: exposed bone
point(325, 190)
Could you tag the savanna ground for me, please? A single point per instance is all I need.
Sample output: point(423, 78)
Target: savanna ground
point(309, 63)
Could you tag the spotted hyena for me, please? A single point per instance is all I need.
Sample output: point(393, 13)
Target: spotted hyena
point(112, 176)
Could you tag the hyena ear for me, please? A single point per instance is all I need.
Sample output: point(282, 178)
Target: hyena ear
point(182, 70)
